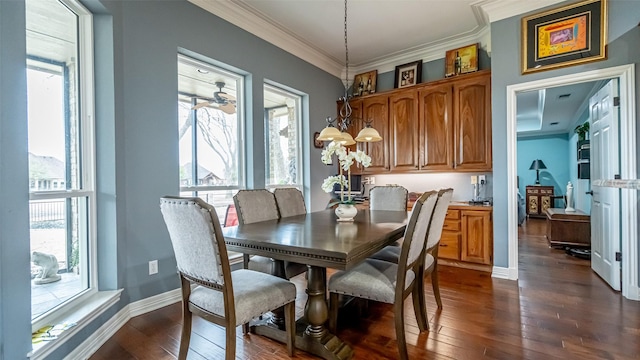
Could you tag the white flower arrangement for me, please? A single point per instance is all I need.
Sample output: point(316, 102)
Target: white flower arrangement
point(346, 159)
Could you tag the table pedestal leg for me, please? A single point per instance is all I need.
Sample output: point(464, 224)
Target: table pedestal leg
point(312, 336)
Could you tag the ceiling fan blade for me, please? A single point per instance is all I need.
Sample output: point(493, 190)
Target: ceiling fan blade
point(227, 96)
point(201, 105)
point(228, 108)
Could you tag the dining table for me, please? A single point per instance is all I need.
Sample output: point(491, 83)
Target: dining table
point(320, 241)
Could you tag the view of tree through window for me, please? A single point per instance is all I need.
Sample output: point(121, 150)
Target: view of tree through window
point(60, 159)
point(210, 132)
point(282, 137)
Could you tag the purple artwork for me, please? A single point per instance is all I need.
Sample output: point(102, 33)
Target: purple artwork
point(561, 36)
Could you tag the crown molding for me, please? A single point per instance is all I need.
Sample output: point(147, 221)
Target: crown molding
point(243, 16)
point(240, 14)
point(497, 10)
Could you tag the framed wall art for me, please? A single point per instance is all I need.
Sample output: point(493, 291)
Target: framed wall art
point(566, 36)
point(408, 74)
point(461, 60)
point(365, 83)
point(318, 144)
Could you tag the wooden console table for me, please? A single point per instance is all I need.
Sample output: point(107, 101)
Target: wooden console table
point(568, 228)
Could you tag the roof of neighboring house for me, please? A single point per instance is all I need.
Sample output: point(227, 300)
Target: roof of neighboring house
point(45, 167)
point(202, 172)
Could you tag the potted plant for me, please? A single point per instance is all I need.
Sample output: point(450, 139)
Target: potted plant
point(582, 131)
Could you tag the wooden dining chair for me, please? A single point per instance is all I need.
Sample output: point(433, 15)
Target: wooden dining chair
point(260, 205)
point(290, 202)
point(221, 296)
point(387, 282)
point(392, 254)
point(393, 198)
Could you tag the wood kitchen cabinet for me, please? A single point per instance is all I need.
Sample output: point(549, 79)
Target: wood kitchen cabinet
point(403, 128)
point(467, 237)
point(376, 110)
point(472, 114)
point(436, 127)
point(443, 125)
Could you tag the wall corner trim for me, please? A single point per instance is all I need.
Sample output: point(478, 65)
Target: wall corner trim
point(504, 273)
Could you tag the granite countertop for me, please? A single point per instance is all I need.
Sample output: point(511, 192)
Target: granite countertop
point(618, 183)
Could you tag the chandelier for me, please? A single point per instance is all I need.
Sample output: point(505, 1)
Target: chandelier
point(344, 120)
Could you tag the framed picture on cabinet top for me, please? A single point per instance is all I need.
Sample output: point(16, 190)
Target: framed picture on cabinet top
point(565, 36)
point(408, 74)
point(365, 83)
point(461, 60)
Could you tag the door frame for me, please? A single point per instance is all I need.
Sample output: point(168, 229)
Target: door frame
point(629, 213)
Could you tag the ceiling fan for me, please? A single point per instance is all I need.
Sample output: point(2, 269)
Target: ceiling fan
point(221, 100)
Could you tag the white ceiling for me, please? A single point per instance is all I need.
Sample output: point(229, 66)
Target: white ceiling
point(381, 33)
point(386, 33)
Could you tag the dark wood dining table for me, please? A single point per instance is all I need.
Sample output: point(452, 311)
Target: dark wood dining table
point(320, 241)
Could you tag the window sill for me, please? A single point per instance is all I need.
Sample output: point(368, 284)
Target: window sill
point(81, 315)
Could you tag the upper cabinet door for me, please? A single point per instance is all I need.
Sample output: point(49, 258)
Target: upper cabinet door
point(376, 110)
point(403, 120)
point(436, 127)
point(472, 107)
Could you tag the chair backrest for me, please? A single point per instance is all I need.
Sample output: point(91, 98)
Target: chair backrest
point(437, 219)
point(197, 238)
point(255, 205)
point(388, 198)
point(415, 235)
point(290, 201)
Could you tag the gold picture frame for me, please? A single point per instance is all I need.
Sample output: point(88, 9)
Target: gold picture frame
point(365, 83)
point(461, 60)
point(565, 36)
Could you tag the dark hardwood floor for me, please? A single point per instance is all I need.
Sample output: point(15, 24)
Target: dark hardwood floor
point(559, 309)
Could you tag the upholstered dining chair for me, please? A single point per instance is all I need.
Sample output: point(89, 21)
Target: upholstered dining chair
point(290, 202)
point(392, 254)
point(387, 282)
point(221, 296)
point(390, 197)
point(260, 205)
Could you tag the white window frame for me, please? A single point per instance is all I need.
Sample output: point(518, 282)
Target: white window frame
point(86, 95)
point(273, 87)
point(241, 126)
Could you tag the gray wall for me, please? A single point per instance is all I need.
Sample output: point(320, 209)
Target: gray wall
point(623, 48)
point(136, 121)
point(15, 290)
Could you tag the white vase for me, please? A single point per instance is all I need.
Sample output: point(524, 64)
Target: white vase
point(569, 208)
point(346, 212)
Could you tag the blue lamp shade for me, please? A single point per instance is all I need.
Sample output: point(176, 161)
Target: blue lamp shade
point(537, 165)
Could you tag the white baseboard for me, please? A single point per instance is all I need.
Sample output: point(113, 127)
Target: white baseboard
point(504, 273)
point(109, 328)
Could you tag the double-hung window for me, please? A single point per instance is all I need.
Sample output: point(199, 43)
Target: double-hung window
point(283, 140)
point(210, 131)
point(61, 156)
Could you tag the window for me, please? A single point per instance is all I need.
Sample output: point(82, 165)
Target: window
point(61, 153)
point(211, 155)
point(283, 142)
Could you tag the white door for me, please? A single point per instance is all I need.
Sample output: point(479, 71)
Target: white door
point(605, 164)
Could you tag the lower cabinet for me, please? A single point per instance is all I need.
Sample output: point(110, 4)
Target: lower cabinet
point(467, 237)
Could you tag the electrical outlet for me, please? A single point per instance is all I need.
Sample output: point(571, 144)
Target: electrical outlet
point(372, 180)
point(153, 267)
point(481, 179)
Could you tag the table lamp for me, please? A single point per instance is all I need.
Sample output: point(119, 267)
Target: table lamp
point(537, 165)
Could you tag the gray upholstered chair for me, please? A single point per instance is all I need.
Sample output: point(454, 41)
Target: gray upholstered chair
point(388, 282)
point(392, 254)
point(260, 205)
point(221, 296)
point(290, 202)
point(390, 197)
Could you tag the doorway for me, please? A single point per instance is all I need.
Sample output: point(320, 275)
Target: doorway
point(626, 77)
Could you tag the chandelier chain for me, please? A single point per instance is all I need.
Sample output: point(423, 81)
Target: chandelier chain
point(346, 47)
